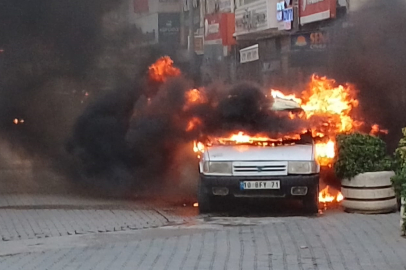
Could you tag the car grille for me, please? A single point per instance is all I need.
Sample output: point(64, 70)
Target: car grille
point(260, 168)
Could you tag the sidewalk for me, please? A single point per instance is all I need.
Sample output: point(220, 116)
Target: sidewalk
point(27, 216)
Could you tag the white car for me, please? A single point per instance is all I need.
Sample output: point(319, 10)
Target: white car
point(288, 170)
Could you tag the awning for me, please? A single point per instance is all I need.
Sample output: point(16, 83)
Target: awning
point(249, 54)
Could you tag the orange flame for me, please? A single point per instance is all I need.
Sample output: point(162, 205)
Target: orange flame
point(16, 121)
point(328, 107)
point(193, 97)
point(325, 152)
point(243, 138)
point(326, 197)
point(323, 98)
point(162, 69)
point(198, 147)
point(375, 130)
point(339, 197)
point(193, 123)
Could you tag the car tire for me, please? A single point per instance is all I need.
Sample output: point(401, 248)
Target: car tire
point(203, 199)
point(311, 202)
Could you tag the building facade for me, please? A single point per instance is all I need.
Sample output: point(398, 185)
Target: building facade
point(158, 24)
point(281, 43)
point(275, 42)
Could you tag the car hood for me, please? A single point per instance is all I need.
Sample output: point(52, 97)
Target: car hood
point(259, 153)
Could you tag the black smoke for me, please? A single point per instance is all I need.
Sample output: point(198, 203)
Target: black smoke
point(371, 53)
point(48, 47)
point(50, 54)
point(97, 151)
point(126, 144)
point(119, 140)
point(246, 107)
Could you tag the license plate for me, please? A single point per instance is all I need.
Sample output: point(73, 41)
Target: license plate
point(260, 185)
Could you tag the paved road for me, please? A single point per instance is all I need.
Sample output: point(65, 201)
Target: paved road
point(49, 231)
point(53, 232)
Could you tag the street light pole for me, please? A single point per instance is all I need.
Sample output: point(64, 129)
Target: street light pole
point(191, 36)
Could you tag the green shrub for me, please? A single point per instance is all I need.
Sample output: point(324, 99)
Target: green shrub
point(359, 153)
point(400, 167)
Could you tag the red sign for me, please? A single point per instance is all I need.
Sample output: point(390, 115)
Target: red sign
point(212, 29)
point(316, 10)
point(219, 28)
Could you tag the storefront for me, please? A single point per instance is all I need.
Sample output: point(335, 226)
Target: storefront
point(308, 55)
point(169, 31)
point(266, 24)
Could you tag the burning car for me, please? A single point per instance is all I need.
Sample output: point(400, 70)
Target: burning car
point(254, 164)
point(260, 167)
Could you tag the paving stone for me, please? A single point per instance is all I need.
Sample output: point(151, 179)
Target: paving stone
point(335, 240)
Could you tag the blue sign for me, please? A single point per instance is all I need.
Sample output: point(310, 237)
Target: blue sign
point(284, 14)
point(288, 15)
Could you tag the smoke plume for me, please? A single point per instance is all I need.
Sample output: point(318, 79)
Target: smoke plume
point(126, 144)
point(49, 68)
point(52, 72)
point(243, 107)
point(371, 53)
point(126, 140)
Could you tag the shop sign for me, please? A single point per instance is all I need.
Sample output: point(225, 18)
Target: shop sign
point(249, 54)
point(212, 29)
point(284, 13)
point(310, 41)
point(288, 15)
point(199, 45)
point(285, 25)
point(251, 20)
point(169, 27)
point(219, 29)
point(256, 16)
point(284, 16)
point(316, 10)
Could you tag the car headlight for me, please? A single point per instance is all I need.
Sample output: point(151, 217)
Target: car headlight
point(217, 168)
point(307, 167)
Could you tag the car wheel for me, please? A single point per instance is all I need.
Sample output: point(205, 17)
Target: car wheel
point(203, 199)
point(311, 202)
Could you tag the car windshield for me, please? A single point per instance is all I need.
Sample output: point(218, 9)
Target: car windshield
point(280, 106)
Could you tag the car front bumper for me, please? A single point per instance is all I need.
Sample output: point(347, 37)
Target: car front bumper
point(232, 183)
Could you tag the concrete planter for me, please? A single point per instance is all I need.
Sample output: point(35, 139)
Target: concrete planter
point(369, 193)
